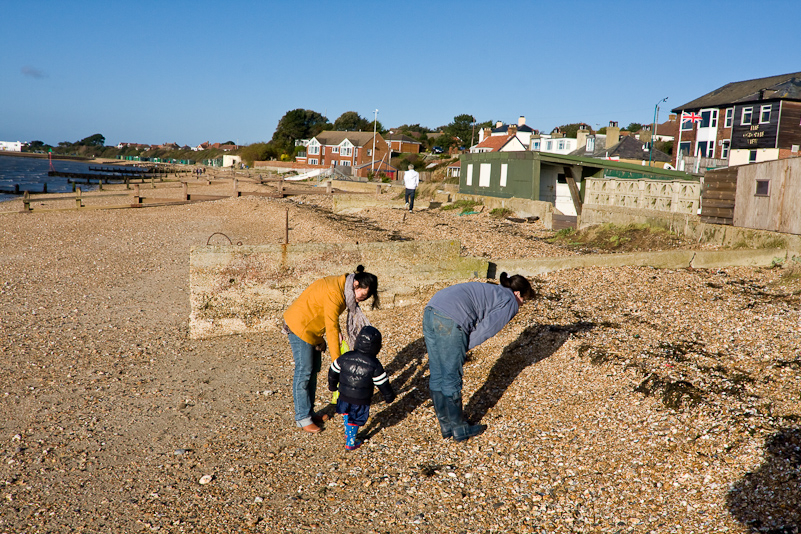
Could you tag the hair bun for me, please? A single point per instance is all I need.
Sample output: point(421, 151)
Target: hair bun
point(360, 269)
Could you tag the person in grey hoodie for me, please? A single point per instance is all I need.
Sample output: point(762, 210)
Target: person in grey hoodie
point(457, 319)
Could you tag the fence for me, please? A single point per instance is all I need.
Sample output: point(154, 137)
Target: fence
point(677, 196)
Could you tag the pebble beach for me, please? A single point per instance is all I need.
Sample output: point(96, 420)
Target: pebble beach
point(627, 399)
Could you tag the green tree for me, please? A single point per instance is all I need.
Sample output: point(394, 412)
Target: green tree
point(634, 127)
point(258, 152)
point(37, 146)
point(350, 121)
point(297, 124)
point(571, 130)
point(459, 132)
point(93, 140)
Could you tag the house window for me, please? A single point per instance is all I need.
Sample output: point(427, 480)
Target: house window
point(345, 163)
point(549, 145)
point(709, 119)
point(729, 118)
point(335, 150)
point(701, 149)
point(313, 161)
point(535, 145)
point(686, 125)
point(314, 149)
point(347, 151)
point(794, 149)
point(762, 188)
point(590, 146)
point(484, 171)
point(504, 172)
point(684, 148)
point(745, 118)
point(724, 150)
point(469, 177)
point(764, 114)
point(369, 152)
point(751, 156)
point(560, 145)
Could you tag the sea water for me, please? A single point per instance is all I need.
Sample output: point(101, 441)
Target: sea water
point(31, 174)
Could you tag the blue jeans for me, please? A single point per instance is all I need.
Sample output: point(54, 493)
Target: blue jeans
point(408, 197)
point(304, 384)
point(447, 346)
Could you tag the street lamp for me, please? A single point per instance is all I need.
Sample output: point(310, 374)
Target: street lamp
point(653, 130)
point(372, 163)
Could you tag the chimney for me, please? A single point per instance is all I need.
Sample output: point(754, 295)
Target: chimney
point(498, 124)
point(612, 134)
point(645, 135)
point(581, 137)
point(521, 121)
point(672, 117)
point(484, 134)
point(512, 130)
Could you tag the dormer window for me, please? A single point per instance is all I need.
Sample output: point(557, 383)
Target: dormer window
point(590, 146)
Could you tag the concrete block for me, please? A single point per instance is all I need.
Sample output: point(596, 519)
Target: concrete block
point(717, 259)
point(239, 289)
point(345, 204)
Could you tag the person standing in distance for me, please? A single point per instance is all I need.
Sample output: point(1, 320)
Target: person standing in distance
point(457, 319)
point(411, 179)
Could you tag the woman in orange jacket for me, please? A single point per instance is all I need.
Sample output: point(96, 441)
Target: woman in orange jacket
point(312, 320)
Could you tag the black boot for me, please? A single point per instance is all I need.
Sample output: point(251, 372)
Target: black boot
point(462, 430)
point(441, 408)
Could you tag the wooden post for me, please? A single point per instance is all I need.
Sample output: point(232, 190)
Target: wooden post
point(570, 175)
point(286, 228)
point(152, 182)
point(127, 182)
point(99, 184)
point(185, 190)
point(281, 186)
point(78, 203)
point(329, 187)
point(378, 189)
point(235, 192)
point(137, 198)
point(26, 201)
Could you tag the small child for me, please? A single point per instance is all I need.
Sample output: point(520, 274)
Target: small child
point(357, 372)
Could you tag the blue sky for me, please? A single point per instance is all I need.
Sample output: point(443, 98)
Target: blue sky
point(188, 72)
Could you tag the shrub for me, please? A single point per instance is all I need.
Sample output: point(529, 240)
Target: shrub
point(501, 213)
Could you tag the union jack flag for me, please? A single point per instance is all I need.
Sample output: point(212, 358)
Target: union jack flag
point(694, 117)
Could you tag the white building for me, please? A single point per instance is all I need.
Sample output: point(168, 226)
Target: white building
point(10, 146)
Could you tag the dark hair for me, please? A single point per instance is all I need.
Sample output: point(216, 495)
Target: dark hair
point(518, 283)
point(368, 281)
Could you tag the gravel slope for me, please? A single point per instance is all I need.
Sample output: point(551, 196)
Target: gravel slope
point(623, 400)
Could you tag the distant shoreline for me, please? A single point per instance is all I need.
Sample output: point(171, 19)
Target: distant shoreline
point(44, 156)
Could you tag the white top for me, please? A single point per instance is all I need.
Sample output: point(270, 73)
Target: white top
point(411, 179)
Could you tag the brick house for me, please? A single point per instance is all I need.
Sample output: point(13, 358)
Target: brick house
point(347, 149)
point(742, 122)
point(403, 144)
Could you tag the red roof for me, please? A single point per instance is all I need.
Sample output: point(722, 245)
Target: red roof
point(494, 142)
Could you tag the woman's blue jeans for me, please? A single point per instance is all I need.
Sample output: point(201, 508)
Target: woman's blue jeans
point(447, 346)
point(304, 384)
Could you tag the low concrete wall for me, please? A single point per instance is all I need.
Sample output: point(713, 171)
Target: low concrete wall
point(351, 204)
point(673, 259)
point(689, 226)
point(238, 289)
point(521, 206)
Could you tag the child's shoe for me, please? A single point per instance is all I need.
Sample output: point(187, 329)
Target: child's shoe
point(351, 443)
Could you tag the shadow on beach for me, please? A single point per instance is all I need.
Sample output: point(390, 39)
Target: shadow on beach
point(534, 344)
point(768, 499)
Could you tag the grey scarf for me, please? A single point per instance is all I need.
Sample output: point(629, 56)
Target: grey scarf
point(356, 318)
